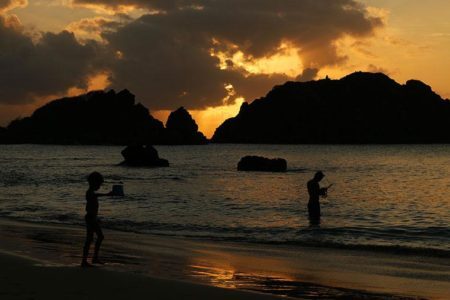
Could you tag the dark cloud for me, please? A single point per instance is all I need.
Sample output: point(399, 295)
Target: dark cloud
point(50, 66)
point(167, 57)
point(307, 75)
point(155, 5)
point(259, 26)
point(172, 68)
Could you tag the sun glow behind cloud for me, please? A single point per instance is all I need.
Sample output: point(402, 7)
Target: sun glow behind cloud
point(285, 61)
point(412, 43)
point(96, 82)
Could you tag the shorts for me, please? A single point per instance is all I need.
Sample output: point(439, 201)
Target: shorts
point(92, 223)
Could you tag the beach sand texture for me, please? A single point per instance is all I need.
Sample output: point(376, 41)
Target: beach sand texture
point(143, 266)
point(22, 279)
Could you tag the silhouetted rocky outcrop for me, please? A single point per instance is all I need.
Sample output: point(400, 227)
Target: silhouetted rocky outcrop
point(182, 129)
point(97, 117)
point(142, 156)
point(257, 163)
point(94, 118)
point(359, 108)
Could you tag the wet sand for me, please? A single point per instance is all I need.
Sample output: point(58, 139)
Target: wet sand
point(23, 279)
point(179, 268)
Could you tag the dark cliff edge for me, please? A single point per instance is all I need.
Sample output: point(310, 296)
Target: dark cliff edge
point(95, 118)
point(361, 108)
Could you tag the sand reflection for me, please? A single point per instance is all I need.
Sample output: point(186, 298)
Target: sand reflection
point(228, 277)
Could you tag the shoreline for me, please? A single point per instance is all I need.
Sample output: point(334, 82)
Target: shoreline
point(23, 279)
point(299, 272)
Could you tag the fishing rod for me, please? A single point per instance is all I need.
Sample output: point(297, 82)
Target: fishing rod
point(325, 189)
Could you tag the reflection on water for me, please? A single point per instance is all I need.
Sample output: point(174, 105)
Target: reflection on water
point(226, 277)
point(229, 278)
point(219, 277)
point(221, 265)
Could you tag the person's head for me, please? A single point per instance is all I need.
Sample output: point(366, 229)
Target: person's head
point(319, 176)
point(95, 180)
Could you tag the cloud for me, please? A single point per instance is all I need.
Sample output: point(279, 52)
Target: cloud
point(307, 75)
point(54, 64)
point(152, 5)
point(375, 69)
point(168, 58)
point(7, 5)
point(92, 28)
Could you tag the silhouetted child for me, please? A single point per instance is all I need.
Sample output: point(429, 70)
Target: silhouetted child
point(95, 181)
point(315, 191)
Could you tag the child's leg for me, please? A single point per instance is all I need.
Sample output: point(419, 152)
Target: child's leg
point(87, 244)
point(100, 237)
point(89, 239)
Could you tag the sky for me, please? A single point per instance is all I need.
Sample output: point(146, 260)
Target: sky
point(211, 55)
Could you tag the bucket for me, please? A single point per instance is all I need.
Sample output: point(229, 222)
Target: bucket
point(117, 190)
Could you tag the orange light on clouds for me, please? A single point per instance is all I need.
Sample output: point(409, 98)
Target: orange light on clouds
point(105, 10)
point(285, 61)
point(88, 28)
point(96, 82)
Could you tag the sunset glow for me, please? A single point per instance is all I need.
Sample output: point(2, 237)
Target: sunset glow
point(407, 39)
point(224, 149)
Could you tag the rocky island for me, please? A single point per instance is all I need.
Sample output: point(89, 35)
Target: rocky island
point(262, 164)
point(100, 117)
point(361, 108)
point(142, 156)
point(181, 129)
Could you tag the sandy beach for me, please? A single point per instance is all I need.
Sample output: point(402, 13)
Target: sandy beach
point(25, 279)
point(41, 261)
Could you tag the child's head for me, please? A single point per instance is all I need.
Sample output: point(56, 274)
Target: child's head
point(95, 180)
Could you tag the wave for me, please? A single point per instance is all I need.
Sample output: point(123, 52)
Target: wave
point(336, 238)
point(430, 241)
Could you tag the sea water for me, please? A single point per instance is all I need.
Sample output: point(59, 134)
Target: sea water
point(384, 198)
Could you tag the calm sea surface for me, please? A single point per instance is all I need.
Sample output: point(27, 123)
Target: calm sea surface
point(385, 198)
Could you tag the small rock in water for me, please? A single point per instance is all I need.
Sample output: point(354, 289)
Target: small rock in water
point(142, 156)
point(258, 163)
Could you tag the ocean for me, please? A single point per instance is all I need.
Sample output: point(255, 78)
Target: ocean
point(384, 198)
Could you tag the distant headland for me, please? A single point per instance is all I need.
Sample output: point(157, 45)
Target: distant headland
point(361, 108)
point(100, 117)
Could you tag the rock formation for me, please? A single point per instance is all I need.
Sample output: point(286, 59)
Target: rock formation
point(359, 108)
point(257, 163)
point(94, 118)
point(182, 129)
point(142, 156)
point(100, 117)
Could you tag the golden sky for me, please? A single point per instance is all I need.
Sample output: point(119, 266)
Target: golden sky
point(172, 56)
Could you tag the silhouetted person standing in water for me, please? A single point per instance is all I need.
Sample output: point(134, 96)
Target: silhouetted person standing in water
point(315, 191)
point(95, 181)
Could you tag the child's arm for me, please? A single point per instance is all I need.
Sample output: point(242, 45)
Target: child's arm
point(103, 194)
